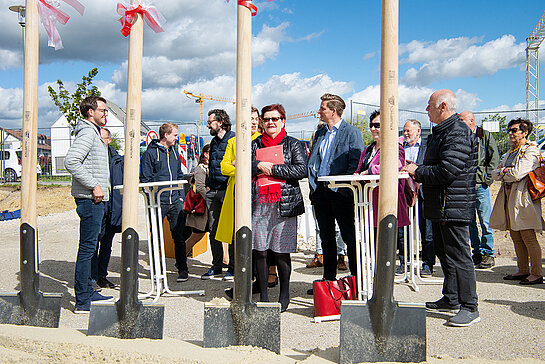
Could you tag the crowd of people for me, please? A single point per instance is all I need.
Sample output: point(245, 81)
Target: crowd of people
point(452, 170)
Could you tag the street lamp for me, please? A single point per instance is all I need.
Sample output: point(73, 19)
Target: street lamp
point(20, 10)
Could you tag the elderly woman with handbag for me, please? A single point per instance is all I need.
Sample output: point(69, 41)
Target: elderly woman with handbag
point(514, 209)
point(198, 222)
point(279, 162)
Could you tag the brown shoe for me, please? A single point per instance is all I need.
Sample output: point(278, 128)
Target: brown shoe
point(318, 261)
point(341, 265)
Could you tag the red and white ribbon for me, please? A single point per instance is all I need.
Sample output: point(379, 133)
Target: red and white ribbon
point(248, 4)
point(150, 14)
point(50, 13)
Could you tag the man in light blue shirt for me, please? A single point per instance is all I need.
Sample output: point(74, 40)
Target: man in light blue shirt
point(336, 150)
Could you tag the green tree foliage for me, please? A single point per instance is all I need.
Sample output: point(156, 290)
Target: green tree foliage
point(115, 142)
point(362, 123)
point(67, 103)
point(502, 138)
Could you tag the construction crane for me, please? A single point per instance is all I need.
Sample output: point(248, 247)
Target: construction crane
point(532, 71)
point(303, 115)
point(199, 99)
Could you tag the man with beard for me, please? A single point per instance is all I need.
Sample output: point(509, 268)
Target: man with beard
point(220, 128)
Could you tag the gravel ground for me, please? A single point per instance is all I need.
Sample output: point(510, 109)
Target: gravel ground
point(512, 326)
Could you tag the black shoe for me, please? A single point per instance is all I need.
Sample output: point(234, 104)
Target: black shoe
point(182, 277)
point(512, 277)
point(103, 282)
point(310, 292)
point(229, 293)
point(526, 282)
point(284, 304)
point(443, 306)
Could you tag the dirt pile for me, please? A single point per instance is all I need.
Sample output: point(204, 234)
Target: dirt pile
point(49, 199)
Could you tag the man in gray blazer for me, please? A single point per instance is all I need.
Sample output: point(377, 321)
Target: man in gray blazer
point(87, 162)
point(336, 150)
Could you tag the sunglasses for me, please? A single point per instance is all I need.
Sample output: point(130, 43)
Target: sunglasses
point(513, 130)
point(374, 125)
point(271, 119)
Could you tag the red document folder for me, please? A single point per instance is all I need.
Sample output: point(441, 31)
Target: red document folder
point(275, 155)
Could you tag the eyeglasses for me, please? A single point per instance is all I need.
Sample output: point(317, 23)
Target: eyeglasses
point(104, 111)
point(210, 121)
point(374, 125)
point(513, 130)
point(274, 120)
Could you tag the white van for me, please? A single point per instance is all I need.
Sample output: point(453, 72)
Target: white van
point(10, 165)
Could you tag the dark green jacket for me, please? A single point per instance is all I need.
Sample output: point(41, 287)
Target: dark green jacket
point(489, 157)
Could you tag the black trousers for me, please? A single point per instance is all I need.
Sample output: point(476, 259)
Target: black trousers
point(451, 243)
point(176, 219)
point(426, 234)
point(214, 202)
point(331, 206)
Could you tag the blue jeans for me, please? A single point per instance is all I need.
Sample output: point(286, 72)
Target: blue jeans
point(485, 244)
point(90, 227)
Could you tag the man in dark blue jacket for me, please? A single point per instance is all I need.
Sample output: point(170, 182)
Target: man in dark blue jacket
point(336, 150)
point(161, 162)
point(448, 179)
point(112, 216)
point(220, 128)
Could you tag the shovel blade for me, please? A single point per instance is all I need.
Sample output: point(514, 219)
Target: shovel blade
point(406, 341)
point(146, 321)
point(44, 311)
point(259, 326)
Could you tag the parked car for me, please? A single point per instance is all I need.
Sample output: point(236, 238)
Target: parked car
point(10, 165)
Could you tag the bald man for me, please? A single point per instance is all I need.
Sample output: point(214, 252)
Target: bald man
point(488, 159)
point(447, 175)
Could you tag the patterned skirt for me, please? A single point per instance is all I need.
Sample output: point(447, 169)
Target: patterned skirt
point(271, 231)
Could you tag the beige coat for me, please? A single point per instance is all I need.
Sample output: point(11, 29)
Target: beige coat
point(523, 212)
point(195, 221)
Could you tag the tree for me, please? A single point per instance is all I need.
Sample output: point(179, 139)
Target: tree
point(115, 142)
point(501, 137)
point(360, 122)
point(69, 104)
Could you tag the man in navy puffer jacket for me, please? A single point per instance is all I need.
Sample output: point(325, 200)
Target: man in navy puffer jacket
point(161, 162)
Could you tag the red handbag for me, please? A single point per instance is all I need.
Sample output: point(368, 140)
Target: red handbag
point(194, 203)
point(328, 296)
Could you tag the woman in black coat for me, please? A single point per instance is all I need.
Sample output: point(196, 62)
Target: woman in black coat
point(277, 200)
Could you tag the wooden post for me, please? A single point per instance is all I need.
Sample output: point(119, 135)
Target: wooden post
point(132, 125)
point(243, 187)
point(128, 297)
point(387, 201)
point(30, 116)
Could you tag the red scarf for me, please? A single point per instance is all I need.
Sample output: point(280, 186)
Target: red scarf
point(270, 142)
point(271, 192)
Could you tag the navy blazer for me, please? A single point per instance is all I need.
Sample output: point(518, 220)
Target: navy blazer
point(343, 157)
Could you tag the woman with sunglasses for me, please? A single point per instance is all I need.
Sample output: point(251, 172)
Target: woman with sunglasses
point(370, 164)
point(514, 209)
point(277, 204)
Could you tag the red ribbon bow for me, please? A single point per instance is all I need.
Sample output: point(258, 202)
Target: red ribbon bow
point(248, 4)
point(150, 14)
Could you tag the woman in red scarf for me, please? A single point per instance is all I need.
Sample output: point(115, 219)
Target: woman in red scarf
point(277, 199)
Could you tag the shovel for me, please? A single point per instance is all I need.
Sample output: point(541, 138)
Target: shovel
point(129, 318)
point(243, 322)
point(30, 306)
point(383, 329)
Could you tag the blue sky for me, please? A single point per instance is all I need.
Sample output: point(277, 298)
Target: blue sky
point(302, 49)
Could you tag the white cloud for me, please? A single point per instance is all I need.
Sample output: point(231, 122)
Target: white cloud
point(460, 57)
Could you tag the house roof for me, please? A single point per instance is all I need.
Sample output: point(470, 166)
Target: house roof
point(18, 134)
